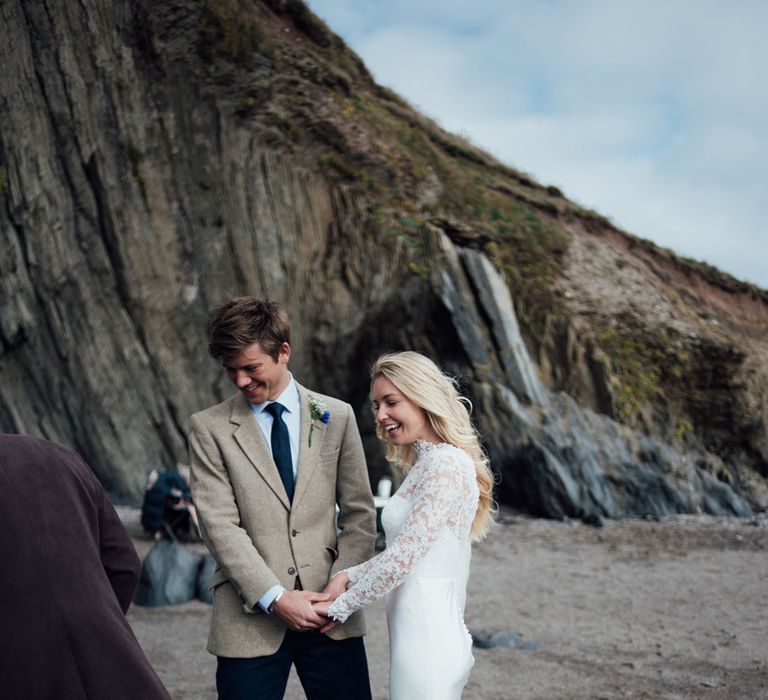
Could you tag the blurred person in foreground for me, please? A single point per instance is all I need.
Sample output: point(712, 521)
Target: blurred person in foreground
point(444, 502)
point(269, 467)
point(68, 572)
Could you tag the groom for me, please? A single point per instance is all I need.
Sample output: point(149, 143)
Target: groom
point(269, 466)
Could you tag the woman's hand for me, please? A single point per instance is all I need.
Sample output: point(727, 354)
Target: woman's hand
point(337, 585)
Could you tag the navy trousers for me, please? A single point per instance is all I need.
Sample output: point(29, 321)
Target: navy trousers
point(327, 669)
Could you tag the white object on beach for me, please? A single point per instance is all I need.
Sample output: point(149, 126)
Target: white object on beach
point(384, 487)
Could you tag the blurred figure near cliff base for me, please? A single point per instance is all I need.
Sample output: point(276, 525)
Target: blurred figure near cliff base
point(68, 571)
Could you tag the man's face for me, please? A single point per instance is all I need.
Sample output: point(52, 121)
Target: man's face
point(257, 375)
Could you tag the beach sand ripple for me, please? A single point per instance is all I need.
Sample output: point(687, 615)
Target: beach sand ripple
point(670, 610)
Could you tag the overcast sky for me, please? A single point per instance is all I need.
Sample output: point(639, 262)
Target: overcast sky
point(652, 112)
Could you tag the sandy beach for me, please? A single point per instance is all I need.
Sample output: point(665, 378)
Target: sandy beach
point(637, 609)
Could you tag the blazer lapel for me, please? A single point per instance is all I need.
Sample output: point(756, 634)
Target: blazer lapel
point(308, 454)
point(251, 440)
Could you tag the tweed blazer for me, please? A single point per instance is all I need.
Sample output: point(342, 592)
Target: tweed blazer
point(257, 536)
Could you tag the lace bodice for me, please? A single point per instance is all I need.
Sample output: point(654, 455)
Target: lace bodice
point(427, 524)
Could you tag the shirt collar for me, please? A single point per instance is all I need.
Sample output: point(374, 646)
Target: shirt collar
point(289, 398)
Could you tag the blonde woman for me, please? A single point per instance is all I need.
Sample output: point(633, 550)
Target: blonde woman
point(444, 502)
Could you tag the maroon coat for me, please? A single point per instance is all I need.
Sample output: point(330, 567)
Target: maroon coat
point(68, 572)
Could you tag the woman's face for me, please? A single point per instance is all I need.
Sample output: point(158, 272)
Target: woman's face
point(402, 420)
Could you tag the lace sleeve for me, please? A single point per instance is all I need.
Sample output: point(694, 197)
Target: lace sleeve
point(355, 572)
point(434, 499)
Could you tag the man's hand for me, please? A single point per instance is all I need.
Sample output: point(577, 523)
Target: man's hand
point(295, 609)
point(321, 608)
point(337, 585)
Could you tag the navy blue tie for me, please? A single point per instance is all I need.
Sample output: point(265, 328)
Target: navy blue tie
point(281, 447)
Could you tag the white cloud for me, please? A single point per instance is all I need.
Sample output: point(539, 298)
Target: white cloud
point(652, 113)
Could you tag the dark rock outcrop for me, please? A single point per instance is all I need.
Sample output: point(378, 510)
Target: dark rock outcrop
point(558, 458)
point(156, 157)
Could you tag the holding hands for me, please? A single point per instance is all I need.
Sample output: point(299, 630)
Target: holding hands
point(336, 586)
point(295, 609)
point(306, 610)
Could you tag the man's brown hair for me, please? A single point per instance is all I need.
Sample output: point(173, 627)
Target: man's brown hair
point(240, 322)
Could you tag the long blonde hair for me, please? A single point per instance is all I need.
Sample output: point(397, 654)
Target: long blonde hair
point(421, 381)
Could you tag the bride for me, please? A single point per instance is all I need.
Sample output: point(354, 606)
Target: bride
point(444, 502)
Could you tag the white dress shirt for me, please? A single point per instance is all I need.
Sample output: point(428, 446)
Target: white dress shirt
point(292, 419)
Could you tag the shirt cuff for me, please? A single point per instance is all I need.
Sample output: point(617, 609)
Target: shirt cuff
point(266, 600)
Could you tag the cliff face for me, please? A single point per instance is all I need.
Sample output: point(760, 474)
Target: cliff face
point(156, 157)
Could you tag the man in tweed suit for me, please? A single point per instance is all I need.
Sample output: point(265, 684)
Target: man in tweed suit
point(269, 467)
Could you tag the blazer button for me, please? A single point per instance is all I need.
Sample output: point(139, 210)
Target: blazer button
point(291, 571)
point(294, 533)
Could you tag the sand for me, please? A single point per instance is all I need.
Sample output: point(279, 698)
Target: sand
point(637, 609)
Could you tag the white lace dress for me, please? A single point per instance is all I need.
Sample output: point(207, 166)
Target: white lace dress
point(424, 571)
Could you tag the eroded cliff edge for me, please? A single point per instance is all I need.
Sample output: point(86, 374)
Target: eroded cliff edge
point(156, 157)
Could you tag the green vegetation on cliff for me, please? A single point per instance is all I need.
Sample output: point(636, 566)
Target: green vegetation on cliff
point(315, 98)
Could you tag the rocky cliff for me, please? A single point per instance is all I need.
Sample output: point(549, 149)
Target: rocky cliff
point(156, 157)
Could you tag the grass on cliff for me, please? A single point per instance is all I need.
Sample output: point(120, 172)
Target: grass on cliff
point(408, 169)
point(404, 152)
point(228, 29)
point(649, 363)
point(516, 216)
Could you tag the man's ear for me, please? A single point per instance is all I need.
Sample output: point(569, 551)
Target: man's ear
point(285, 354)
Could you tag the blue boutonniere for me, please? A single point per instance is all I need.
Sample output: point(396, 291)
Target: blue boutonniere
point(317, 411)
